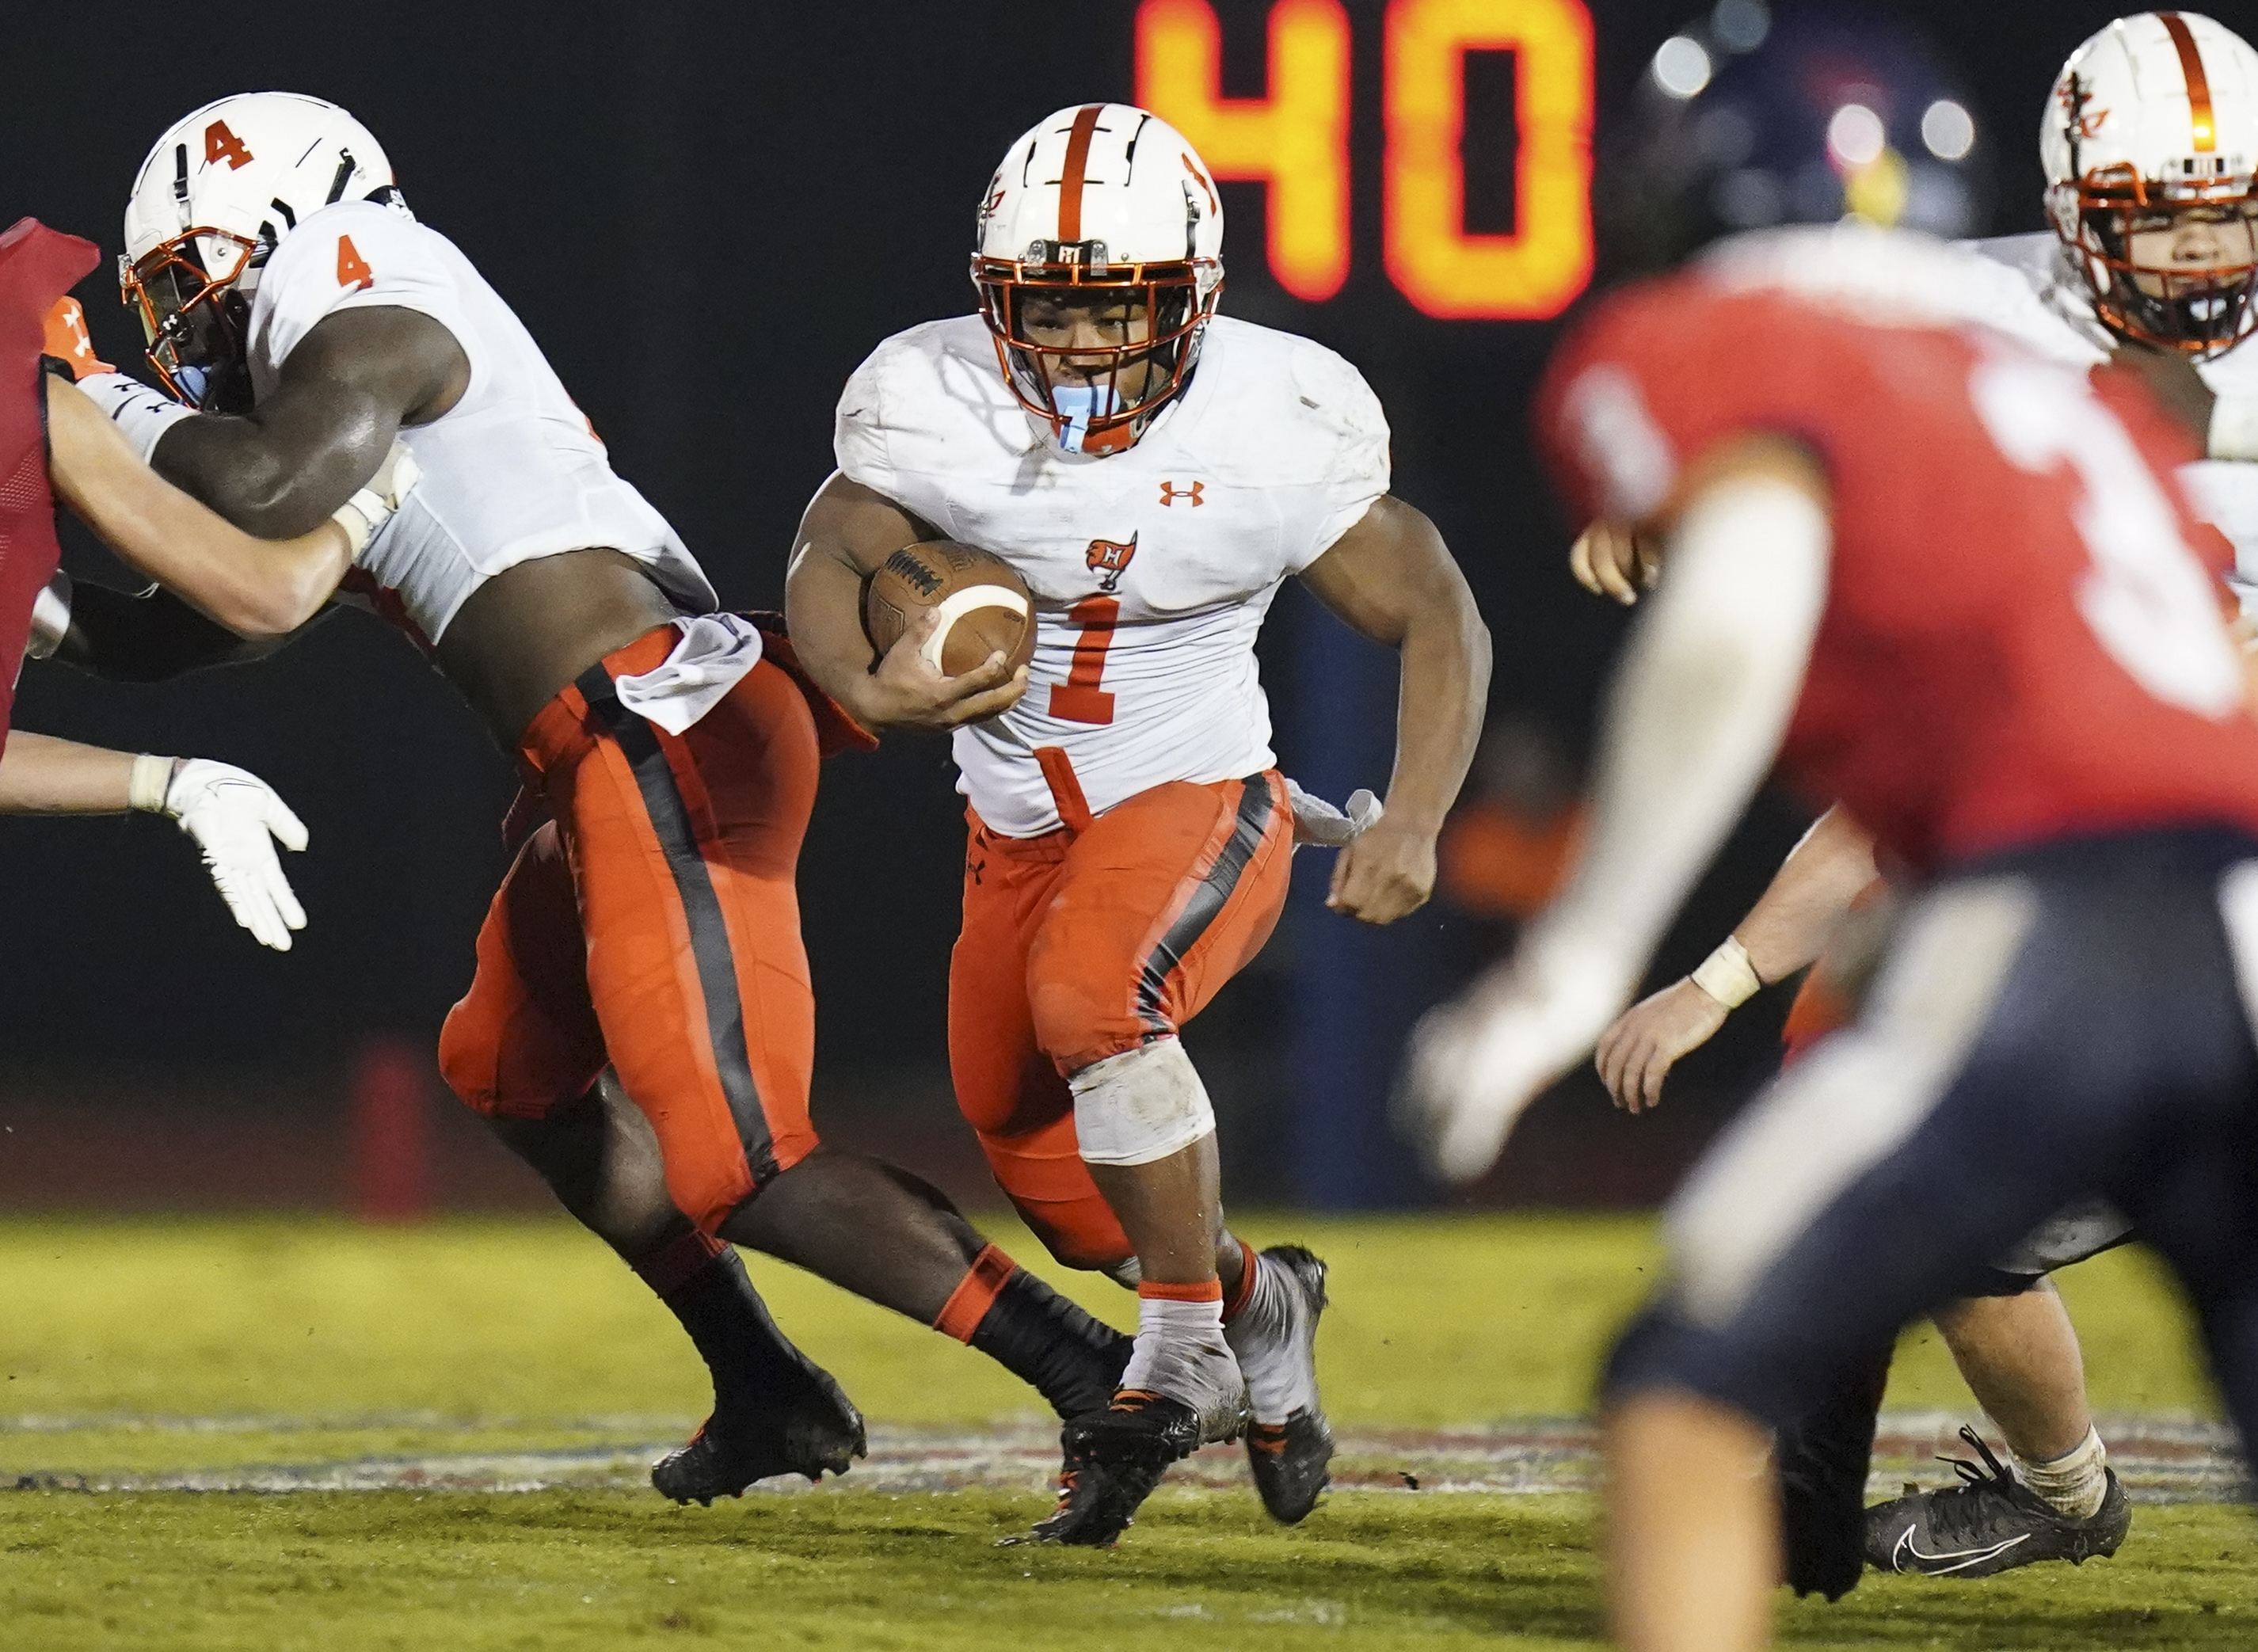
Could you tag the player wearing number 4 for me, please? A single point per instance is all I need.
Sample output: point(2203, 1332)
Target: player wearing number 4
point(1953, 585)
point(304, 318)
point(1154, 471)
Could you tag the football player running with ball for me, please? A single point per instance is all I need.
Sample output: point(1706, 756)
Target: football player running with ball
point(1155, 472)
point(306, 319)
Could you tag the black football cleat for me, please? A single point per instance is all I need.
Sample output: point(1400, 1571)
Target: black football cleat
point(810, 1428)
point(1292, 1464)
point(1991, 1522)
point(1114, 1459)
point(1291, 1461)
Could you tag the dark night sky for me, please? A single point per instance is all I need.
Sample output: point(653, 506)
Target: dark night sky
point(707, 214)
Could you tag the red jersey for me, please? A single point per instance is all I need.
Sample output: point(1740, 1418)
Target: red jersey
point(37, 267)
point(2022, 638)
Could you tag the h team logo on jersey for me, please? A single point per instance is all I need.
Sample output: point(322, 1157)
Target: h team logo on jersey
point(1109, 559)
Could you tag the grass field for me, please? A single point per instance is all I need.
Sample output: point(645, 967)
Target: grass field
point(136, 1353)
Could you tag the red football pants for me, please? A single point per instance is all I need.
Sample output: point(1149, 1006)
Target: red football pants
point(1079, 944)
point(655, 925)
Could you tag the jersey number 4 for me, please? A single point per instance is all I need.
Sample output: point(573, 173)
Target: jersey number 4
point(2146, 596)
point(1079, 700)
point(353, 269)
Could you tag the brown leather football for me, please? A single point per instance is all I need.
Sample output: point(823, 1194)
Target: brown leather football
point(982, 606)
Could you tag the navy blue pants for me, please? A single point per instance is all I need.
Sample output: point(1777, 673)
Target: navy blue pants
point(2060, 1021)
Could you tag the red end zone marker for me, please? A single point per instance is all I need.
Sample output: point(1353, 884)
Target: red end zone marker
point(392, 1132)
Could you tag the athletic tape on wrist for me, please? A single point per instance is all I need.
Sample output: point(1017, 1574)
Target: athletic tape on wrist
point(360, 516)
point(150, 780)
point(1727, 975)
point(142, 414)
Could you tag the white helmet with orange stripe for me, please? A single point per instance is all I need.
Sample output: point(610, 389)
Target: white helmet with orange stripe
point(1098, 259)
point(216, 196)
point(2150, 145)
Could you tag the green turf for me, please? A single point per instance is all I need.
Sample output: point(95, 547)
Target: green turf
point(519, 1327)
point(568, 1571)
point(149, 1345)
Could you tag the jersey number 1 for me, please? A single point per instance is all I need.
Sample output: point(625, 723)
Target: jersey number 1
point(1079, 700)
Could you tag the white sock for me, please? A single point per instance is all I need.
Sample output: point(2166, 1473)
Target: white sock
point(1181, 1353)
point(1267, 1334)
point(2073, 1482)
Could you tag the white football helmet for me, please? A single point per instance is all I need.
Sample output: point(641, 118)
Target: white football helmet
point(2154, 122)
point(1107, 203)
point(214, 199)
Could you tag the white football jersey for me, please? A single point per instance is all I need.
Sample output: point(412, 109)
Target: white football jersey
point(2223, 492)
point(511, 472)
point(1151, 568)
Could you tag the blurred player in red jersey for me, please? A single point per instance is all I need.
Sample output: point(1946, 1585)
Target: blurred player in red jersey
point(1155, 472)
point(2173, 285)
point(303, 320)
point(56, 446)
point(1951, 584)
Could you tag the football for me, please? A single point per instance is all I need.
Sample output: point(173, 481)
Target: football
point(980, 602)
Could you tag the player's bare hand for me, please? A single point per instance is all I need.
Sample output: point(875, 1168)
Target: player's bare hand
point(1610, 560)
point(1637, 1053)
point(906, 692)
point(1386, 873)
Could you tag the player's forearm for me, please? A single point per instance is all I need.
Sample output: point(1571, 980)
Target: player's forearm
point(1804, 905)
point(1439, 706)
point(253, 586)
point(823, 601)
point(275, 478)
point(1701, 703)
point(41, 775)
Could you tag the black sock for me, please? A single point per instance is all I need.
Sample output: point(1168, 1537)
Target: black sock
point(1038, 1336)
point(704, 1283)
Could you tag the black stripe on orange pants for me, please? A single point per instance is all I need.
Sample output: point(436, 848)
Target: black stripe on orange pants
point(1081, 945)
point(655, 925)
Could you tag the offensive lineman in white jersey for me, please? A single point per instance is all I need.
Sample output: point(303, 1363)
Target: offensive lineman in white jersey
point(651, 924)
point(1155, 472)
point(2150, 142)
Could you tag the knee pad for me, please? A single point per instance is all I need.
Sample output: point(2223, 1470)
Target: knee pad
point(1140, 1106)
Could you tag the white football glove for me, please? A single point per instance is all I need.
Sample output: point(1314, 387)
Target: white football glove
point(1475, 1064)
point(1318, 822)
point(369, 509)
point(236, 819)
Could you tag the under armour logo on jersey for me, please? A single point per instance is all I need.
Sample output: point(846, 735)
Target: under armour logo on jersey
point(1109, 559)
point(1170, 493)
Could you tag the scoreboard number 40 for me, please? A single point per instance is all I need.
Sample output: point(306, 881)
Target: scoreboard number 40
point(1295, 141)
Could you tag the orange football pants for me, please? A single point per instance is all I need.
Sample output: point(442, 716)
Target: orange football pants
point(1089, 941)
point(654, 923)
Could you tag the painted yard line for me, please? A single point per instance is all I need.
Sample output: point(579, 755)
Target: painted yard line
point(2159, 1461)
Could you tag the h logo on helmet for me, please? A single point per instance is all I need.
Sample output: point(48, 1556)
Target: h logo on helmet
point(1170, 494)
point(1109, 559)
